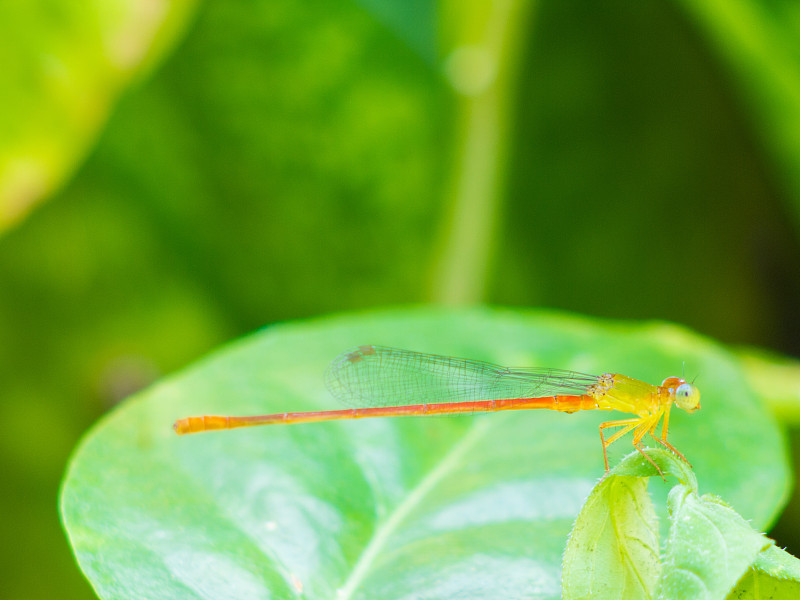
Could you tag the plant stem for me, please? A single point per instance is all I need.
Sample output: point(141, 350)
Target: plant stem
point(482, 68)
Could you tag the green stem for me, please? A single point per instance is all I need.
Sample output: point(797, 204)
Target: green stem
point(482, 68)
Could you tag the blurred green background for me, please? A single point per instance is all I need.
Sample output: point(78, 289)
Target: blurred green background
point(176, 174)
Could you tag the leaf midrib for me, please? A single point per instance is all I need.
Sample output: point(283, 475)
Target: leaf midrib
point(384, 531)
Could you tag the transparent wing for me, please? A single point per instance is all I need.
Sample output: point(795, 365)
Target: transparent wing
point(380, 376)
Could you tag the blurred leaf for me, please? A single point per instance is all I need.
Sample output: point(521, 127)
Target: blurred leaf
point(776, 379)
point(334, 135)
point(64, 65)
point(385, 508)
point(414, 21)
point(758, 42)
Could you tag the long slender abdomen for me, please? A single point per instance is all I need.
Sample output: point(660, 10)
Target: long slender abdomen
point(215, 422)
point(567, 404)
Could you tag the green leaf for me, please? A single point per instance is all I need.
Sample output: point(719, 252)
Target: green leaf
point(757, 585)
point(668, 464)
point(64, 65)
point(775, 576)
point(613, 549)
point(473, 507)
point(778, 563)
point(709, 547)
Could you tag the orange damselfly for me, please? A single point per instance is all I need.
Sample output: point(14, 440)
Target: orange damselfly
point(373, 380)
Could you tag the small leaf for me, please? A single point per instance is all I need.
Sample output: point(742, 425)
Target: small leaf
point(637, 465)
point(709, 547)
point(778, 563)
point(613, 549)
point(757, 585)
point(774, 576)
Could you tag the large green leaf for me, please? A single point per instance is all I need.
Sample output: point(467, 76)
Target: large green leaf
point(474, 507)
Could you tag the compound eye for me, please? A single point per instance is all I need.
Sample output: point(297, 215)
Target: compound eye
point(687, 397)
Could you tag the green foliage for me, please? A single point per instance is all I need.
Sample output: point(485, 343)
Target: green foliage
point(64, 65)
point(711, 551)
point(774, 576)
point(391, 508)
point(709, 547)
point(289, 158)
point(613, 548)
